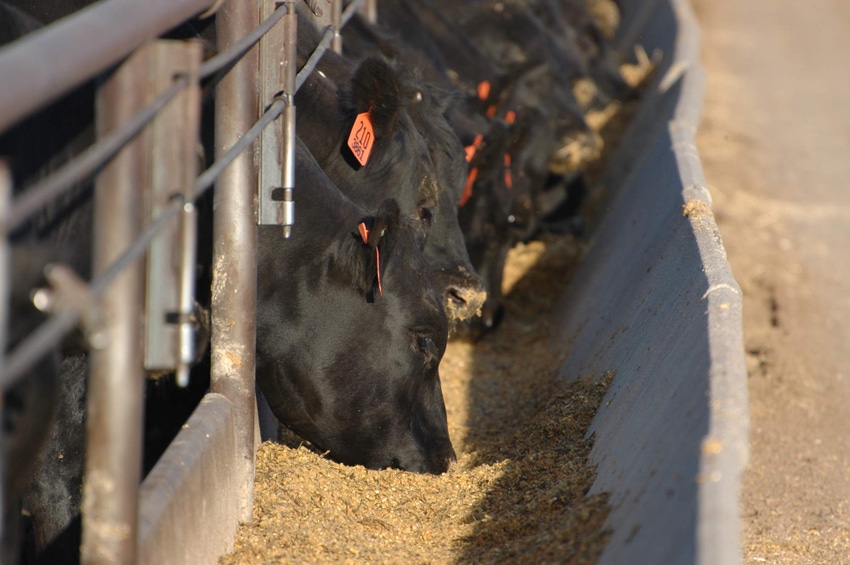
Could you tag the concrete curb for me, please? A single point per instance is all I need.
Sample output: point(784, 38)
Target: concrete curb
point(656, 302)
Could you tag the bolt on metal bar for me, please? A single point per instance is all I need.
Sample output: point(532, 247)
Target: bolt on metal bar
point(234, 285)
point(88, 163)
point(116, 377)
point(53, 60)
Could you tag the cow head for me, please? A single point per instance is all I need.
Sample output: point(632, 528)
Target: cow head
point(348, 365)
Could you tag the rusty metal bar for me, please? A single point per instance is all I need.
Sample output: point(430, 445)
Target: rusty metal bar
point(55, 59)
point(234, 286)
point(116, 377)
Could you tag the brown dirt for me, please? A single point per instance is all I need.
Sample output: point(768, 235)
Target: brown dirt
point(774, 146)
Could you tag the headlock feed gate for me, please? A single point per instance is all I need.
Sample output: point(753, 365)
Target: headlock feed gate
point(659, 304)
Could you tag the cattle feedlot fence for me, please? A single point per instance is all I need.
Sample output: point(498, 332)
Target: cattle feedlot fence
point(148, 106)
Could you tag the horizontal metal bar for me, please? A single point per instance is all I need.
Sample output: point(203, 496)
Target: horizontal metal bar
point(314, 59)
point(231, 55)
point(46, 64)
point(80, 168)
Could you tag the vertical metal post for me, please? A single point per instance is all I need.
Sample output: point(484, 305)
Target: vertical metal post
point(116, 379)
point(5, 296)
point(171, 143)
point(336, 21)
point(287, 155)
point(234, 286)
point(369, 9)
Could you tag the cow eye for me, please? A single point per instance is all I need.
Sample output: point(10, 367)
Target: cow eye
point(426, 216)
point(426, 348)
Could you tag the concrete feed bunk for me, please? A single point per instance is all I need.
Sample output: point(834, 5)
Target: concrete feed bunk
point(655, 301)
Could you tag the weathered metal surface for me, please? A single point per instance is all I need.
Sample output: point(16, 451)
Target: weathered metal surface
point(188, 512)
point(234, 285)
point(656, 302)
point(277, 78)
point(171, 143)
point(115, 386)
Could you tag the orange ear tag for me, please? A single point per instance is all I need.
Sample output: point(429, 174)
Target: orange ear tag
point(467, 190)
point(362, 138)
point(483, 90)
point(364, 234)
point(509, 182)
point(510, 117)
point(471, 149)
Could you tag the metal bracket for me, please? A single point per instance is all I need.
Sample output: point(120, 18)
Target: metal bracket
point(278, 66)
point(69, 293)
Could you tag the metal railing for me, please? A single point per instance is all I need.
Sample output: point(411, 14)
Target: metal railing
point(157, 122)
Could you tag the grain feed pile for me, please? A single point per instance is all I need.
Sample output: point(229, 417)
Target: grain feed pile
point(518, 492)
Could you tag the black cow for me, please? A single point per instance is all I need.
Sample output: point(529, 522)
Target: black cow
point(415, 159)
point(351, 330)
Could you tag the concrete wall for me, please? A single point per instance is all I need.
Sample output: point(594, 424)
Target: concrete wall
point(656, 302)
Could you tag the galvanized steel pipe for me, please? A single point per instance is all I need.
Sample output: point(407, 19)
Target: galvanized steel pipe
point(234, 286)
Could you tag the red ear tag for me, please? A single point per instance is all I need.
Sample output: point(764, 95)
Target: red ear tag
point(364, 235)
point(509, 181)
point(491, 111)
point(467, 190)
point(362, 138)
point(483, 90)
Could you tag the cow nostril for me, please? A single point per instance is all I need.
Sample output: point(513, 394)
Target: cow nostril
point(454, 296)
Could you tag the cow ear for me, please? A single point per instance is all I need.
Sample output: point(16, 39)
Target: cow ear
point(377, 235)
point(375, 89)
